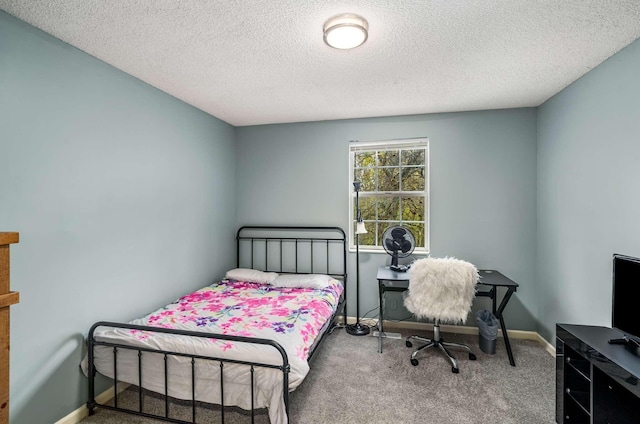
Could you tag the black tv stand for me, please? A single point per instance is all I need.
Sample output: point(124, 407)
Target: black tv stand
point(597, 376)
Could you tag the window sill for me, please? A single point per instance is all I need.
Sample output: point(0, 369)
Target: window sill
point(419, 252)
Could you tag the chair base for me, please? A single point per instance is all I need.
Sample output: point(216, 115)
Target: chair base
point(438, 342)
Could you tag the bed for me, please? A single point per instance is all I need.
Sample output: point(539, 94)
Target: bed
point(244, 341)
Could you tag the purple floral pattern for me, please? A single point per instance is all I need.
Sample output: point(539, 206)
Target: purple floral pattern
point(251, 310)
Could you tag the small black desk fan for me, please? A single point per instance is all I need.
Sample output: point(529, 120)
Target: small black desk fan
point(398, 242)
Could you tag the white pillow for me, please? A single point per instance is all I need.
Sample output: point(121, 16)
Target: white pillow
point(312, 281)
point(251, 275)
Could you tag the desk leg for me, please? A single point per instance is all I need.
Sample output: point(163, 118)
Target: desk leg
point(498, 314)
point(380, 317)
point(506, 342)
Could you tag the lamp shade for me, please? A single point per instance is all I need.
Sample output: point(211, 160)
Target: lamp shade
point(360, 228)
point(346, 31)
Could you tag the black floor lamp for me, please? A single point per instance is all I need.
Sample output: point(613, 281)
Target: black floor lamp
point(358, 329)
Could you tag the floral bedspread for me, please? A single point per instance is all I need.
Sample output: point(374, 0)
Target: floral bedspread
point(251, 310)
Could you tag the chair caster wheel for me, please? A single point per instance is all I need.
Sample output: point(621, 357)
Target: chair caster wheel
point(472, 357)
point(414, 362)
point(455, 370)
point(408, 343)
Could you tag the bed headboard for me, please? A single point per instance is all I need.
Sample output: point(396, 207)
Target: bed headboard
point(293, 250)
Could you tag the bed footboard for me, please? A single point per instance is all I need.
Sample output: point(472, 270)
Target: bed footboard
point(284, 367)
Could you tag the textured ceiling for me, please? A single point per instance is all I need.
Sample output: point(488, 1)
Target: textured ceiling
point(253, 62)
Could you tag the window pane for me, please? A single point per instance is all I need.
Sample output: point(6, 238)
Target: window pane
point(367, 208)
point(413, 157)
point(413, 178)
point(367, 177)
point(382, 226)
point(357, 176)
point(372, 229)
point(388, 208)
point(413, 208)
point(388, 158)
point(368, 239)
point(417, 229)
point(364, 159)
point(389, 179)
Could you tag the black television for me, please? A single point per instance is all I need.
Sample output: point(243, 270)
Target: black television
point(626, 298)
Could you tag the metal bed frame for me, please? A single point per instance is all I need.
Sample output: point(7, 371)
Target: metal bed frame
point(261, 240)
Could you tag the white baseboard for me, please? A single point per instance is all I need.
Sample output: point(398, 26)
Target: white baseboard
point(459, 329)
point(547, 346)
point(82, 412)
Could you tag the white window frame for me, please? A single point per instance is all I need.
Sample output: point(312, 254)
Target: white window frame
point(411, 143)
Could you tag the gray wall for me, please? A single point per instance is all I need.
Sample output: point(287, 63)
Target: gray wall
point(588, 183)
point(121, 195)
point(483, 190)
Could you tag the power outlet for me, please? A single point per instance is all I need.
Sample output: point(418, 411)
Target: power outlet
point(388, 335)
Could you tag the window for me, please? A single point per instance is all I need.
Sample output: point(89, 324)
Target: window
point(394, 191)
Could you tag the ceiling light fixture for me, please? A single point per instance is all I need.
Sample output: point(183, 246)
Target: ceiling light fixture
point(346, 31)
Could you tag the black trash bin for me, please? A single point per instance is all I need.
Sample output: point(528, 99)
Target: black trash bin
point(487, 331)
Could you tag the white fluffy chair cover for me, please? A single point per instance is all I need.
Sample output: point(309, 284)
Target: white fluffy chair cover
point(441, 288)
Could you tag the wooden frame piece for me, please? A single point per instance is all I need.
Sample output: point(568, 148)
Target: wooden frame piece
point(7, 298)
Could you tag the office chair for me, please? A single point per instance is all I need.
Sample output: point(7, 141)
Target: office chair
point(441, 289)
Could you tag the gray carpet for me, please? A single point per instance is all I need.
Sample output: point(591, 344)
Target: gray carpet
point(350, 382)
